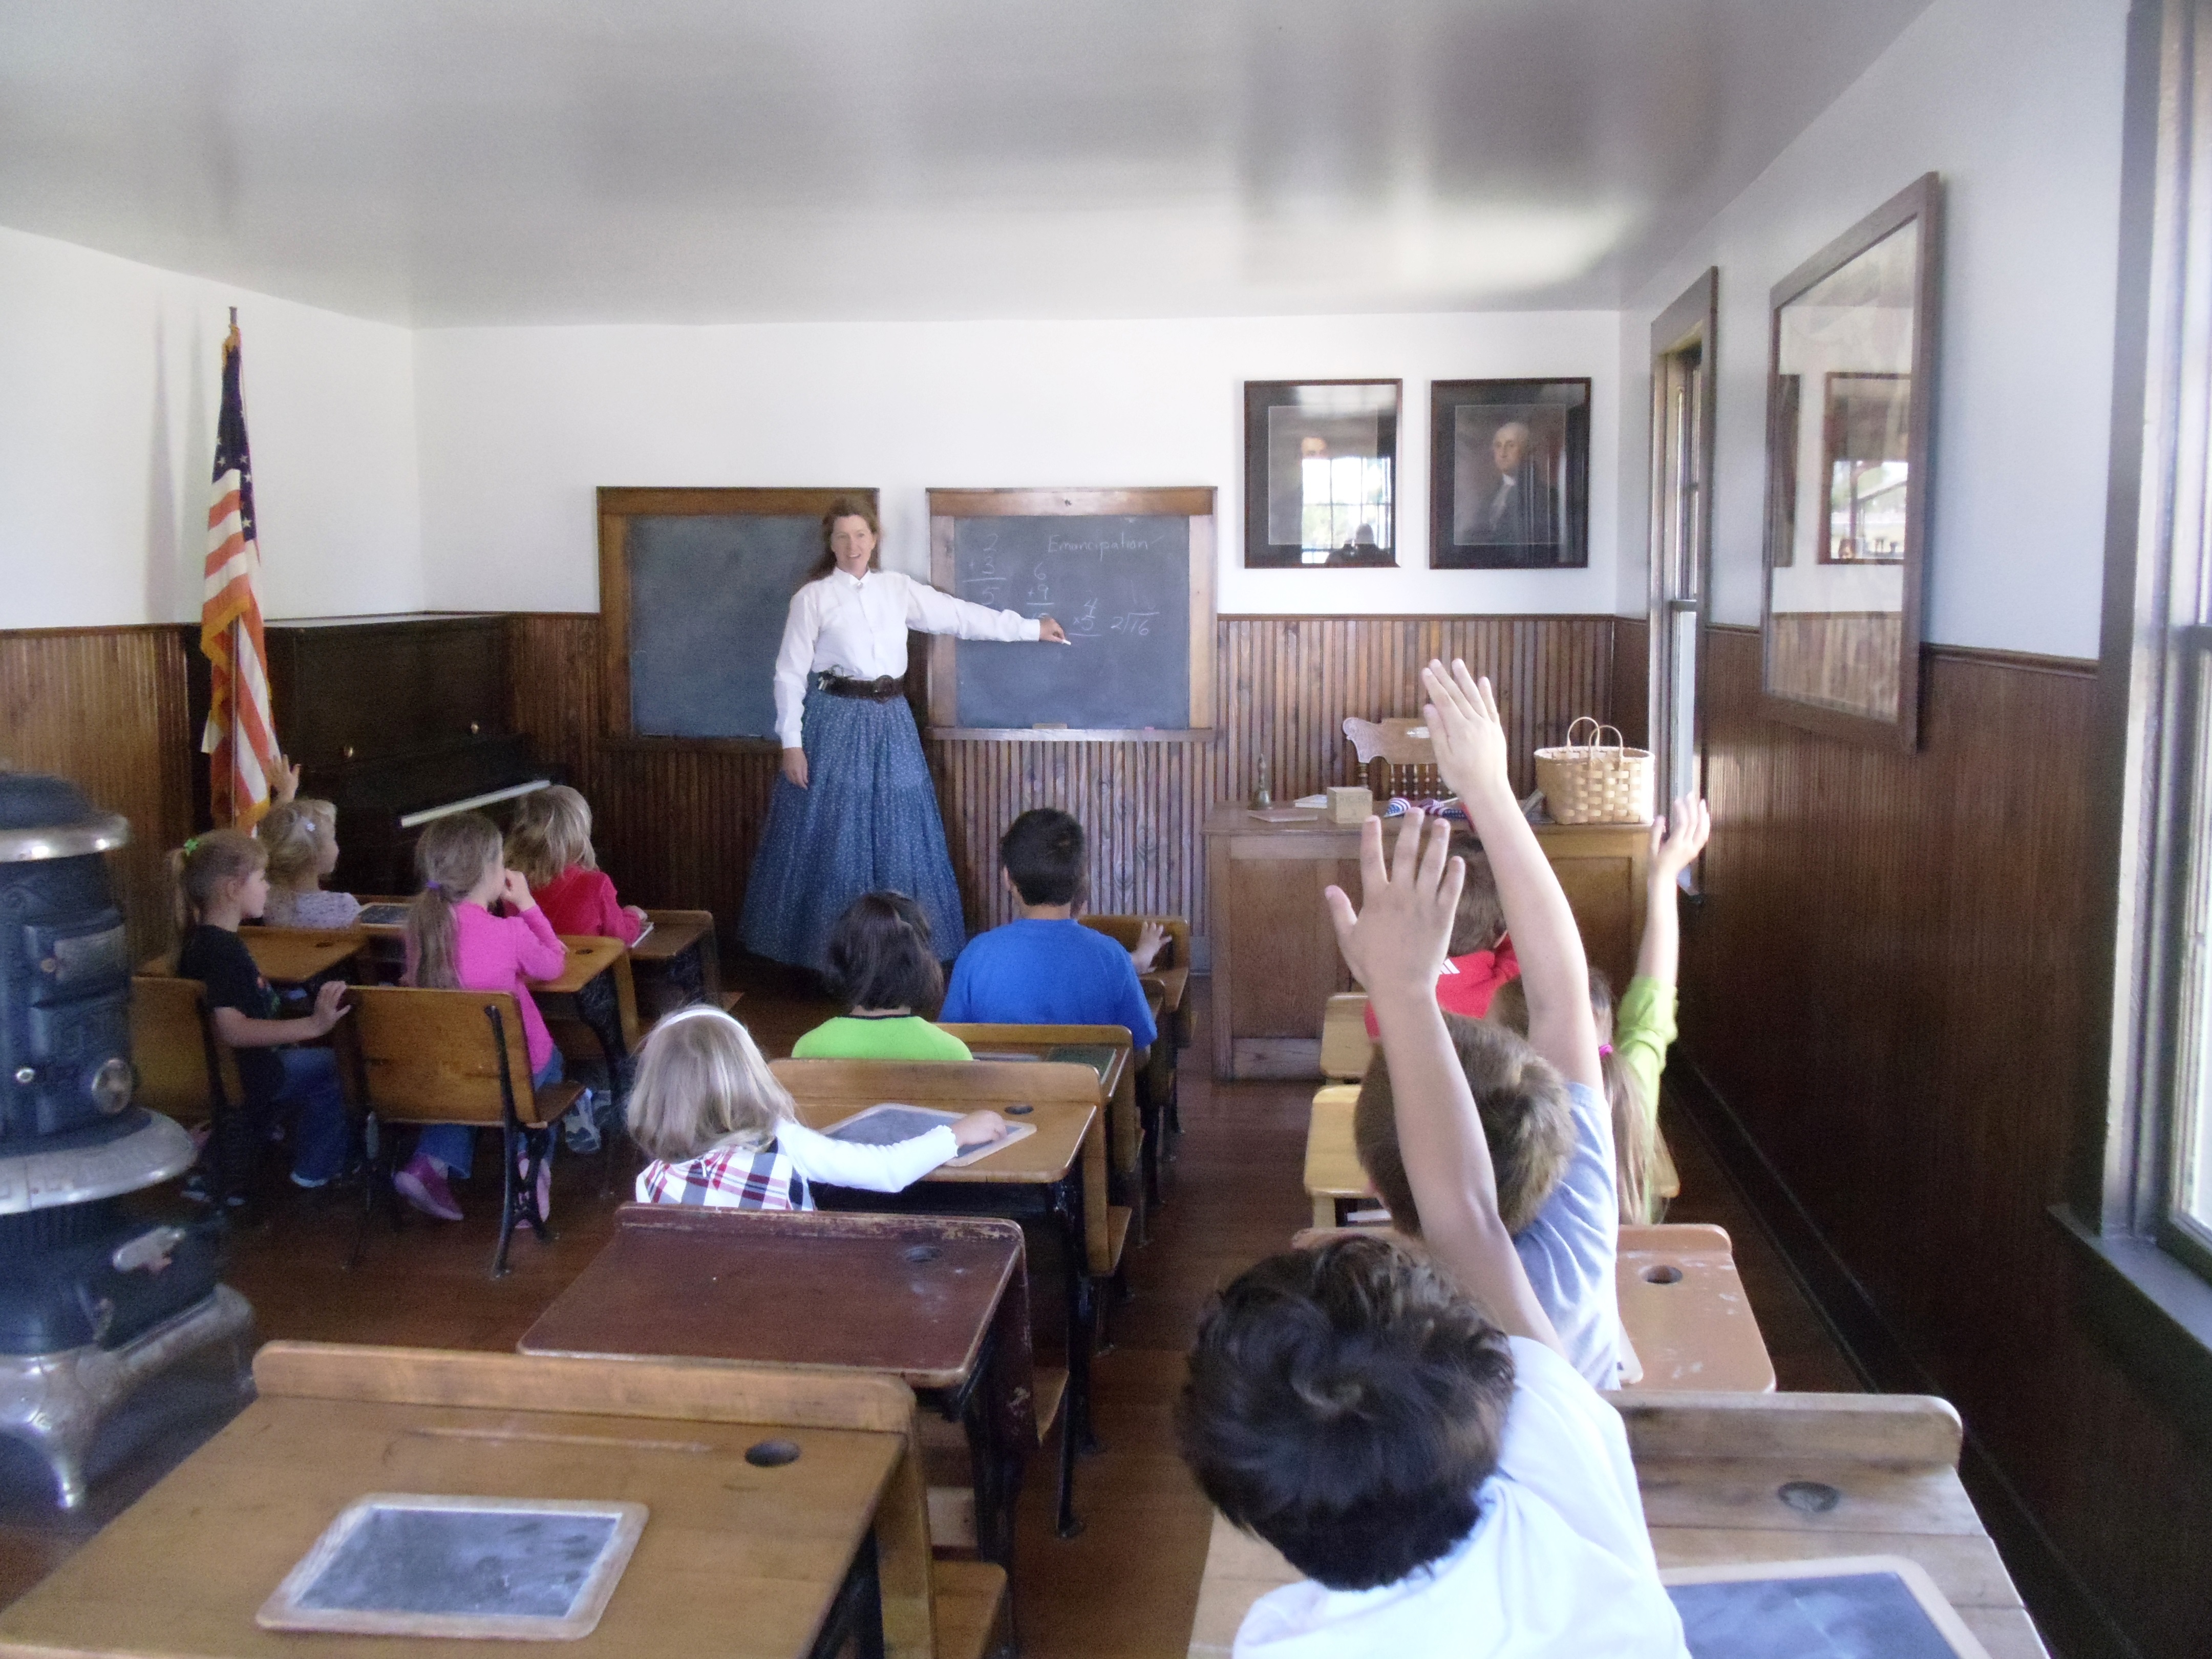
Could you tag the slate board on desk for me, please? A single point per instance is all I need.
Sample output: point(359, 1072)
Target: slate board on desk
point(1872, 1607)
point(400, 1564)
point(1119, 586)
point(708, 595)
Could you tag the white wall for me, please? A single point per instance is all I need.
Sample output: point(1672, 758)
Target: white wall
point(110, 375)
point(2017, 103)
point(519, 425)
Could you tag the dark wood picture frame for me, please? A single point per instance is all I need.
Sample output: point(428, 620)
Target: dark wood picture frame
point(1195, 502)
point(1262, 554)
point(1919, 203)
point(617, 506)
point(1568, 542)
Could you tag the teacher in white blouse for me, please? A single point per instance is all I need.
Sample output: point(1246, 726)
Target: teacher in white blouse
point(854, 810)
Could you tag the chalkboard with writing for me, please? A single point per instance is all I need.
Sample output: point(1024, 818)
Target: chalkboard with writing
point(1132, 589)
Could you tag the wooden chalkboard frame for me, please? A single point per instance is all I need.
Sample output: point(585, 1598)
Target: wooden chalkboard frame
point(617, 506)
point(1194, 502)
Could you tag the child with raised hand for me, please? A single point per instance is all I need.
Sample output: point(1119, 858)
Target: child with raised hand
point(880, 965)
point(222, 880)
point(724, 1134)
point(1542, 1098)
point(301, 838)
point(550, 843)
point(1402, 1425)
point(1644, 1024)
point(454, 943)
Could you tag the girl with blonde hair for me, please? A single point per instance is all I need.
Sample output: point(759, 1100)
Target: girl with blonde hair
point(724, 1134)
point(302, 842)
point(550, 843)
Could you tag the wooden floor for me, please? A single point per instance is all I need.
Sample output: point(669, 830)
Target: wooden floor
point(1126, 1587)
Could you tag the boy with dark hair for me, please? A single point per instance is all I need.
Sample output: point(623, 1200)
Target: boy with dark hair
point(1406, 1428)
point(1047, 969)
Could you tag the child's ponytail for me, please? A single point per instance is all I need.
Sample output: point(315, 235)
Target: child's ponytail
point(203, 864)
point(454, 855)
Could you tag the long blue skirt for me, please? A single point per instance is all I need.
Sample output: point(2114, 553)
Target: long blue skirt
point(867, 821)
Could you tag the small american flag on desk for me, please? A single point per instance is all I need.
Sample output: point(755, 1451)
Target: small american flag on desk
point(241, 730)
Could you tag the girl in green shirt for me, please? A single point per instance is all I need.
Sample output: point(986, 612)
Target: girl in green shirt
point(879, 963)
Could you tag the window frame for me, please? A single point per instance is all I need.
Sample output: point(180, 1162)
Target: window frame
point(1691, 323)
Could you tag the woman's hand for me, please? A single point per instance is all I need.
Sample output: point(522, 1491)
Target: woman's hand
point(1051, 633)
point(516, 891)
point(794, 766)
point(979, 1129)
point(328, 1011)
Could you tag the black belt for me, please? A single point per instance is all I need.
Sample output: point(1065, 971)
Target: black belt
point(877, 690)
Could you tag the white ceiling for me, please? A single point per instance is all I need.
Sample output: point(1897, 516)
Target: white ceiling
point(461, 161)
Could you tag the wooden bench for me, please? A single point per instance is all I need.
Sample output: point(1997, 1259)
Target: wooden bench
point(1055, 1178)
point(1346, 1050)
point(1332, 1175)
point(428, 1057)
point(183, 1069)
point(1684, 1311)
point(1748, 1477)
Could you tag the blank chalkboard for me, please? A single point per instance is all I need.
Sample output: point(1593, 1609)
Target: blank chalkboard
point(422, 1565)
point(1860, 1608)
point(695, 585)
point(1132, 588)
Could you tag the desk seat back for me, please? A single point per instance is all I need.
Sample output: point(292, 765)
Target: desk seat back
point(432, 1056)
point(183, 1071)
point(1124, 930)
point(951, 1086)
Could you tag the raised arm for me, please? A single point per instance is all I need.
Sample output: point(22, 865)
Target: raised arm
point(1470, 745)
point(933, 612)
point(1675, 839)
point(1392, 945)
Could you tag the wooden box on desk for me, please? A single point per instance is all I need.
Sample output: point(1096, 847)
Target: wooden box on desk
point(1275, 961)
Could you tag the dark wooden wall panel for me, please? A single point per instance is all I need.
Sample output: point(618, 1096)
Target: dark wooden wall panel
point(1631, 679)
point(678, 826)
point(1883, 990)
point(105, 708)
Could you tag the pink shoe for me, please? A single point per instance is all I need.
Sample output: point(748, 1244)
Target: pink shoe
point(422, 1184)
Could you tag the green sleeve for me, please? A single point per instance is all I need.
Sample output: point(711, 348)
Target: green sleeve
point(1643, 1029)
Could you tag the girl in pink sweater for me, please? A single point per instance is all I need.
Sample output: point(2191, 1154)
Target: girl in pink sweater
point(455, 942)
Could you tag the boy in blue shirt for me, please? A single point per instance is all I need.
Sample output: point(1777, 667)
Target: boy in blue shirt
point(1047, 969)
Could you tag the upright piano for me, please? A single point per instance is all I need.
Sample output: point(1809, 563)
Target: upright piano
point(395, 721)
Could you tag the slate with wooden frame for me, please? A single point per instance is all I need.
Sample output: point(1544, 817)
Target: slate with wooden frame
point(1127, 573)
point(695, 584)
point(1851, 389)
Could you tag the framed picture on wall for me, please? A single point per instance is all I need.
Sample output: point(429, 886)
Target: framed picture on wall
point(1508, 475)
point(1320, 473)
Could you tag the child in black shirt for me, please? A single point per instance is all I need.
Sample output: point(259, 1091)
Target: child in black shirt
point(222, 878)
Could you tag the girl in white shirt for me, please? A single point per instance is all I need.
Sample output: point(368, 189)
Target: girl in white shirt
point(722, 1133)
point(854, 810)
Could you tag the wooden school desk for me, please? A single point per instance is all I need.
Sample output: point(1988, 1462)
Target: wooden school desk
point(941, 1302)
point(1275, 960)
point(299, 956)
point(1332, 1175)
point(1109, 1050)
point(733, 1560)
point(1737, 1477)
point(1683, 1306)
point(1057, 1175)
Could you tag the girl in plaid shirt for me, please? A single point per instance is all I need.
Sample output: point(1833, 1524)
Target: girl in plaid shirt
point(722, 1133)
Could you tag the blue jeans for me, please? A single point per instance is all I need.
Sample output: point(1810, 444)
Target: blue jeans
point(311, 1083)
point(455, 1144)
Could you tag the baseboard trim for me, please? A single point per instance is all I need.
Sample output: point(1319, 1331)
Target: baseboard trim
point(2057, 1596)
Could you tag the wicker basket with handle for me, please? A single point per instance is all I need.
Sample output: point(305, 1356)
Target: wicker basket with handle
point(1596, 782)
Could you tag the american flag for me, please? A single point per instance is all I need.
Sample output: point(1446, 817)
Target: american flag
point(241, 730)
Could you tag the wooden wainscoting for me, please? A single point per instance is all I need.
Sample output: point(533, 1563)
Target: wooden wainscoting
point(681, 822)
point(1882, 1024)
point(105, 708)
point(1631, 679)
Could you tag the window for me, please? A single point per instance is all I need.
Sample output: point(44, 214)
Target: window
point(1681, 467)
